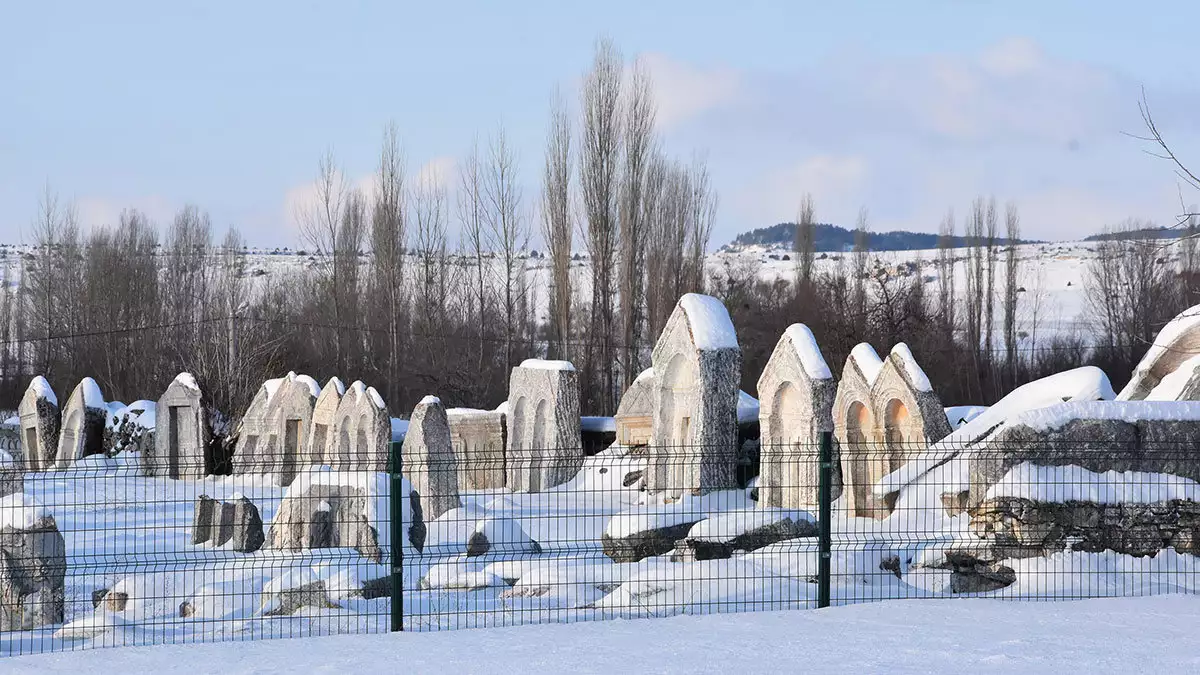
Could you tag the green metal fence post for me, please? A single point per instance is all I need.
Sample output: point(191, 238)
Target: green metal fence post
point(396, 510)
point(824, 538)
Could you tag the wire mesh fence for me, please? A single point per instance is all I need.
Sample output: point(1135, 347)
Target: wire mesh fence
point(112, 551)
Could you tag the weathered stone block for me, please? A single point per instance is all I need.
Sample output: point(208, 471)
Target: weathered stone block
point(429, 461)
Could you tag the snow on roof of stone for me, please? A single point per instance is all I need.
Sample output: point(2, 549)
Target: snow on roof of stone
point(92, 397)
point(41, 389)
point(430, 400)
point(709, 320)
point(21, 511)
point(809, 353)
point(547, 364)
point(272, 386)
point(337, 383)
point(916, 376)
point(1058, 416)
point(646, 374)
point(376, 399)
point(1070, 483)
point(187, 380)
point(313, 387)
point(868, 361)
point(1188, 319)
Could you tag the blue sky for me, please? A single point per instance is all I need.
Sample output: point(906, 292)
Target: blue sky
point(905, 108)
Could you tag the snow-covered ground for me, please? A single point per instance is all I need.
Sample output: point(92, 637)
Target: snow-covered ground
point(1120, 635)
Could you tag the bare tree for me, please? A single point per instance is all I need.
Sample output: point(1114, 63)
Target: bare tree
point(701, 213)
point(806, 244)
point(471, 217)
point(637, 145)
point(990, 224)
point(557, 224)
point(1012, 223)
point(858, 292)
point(389, 237)
point(509, 234)
point(947, 299)
point(321, 227)
point(599, 159)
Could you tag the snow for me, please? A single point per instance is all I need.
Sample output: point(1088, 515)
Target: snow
point(187, 380)
point(747, 407)
point(141, 413)
point(430, 400)
point(376, 399)
point(1058, 416)
point(1187, 320)
point(313, 387)
point(868, 361)
point(547, 364)
point(338, 385)
point(597, 424)
point(272, 386)
point(710, 323)
point(92, 398)
point(646, 374)
point(1071, 483)
point(809, 352)
point(1171, 386)
point(41, 389)
point(21, 511)
point(726, 526)
point(915, 374)
point(959, 415)
point(1080, 384)
point(688, 508)
point(897, 637)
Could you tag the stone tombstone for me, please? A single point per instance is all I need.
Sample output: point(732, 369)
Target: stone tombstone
point(429, 461)
point(319, 440)
point(33, 568)
point(694, 428)
point(324, 515)
point(82, 431)
point(854, 433)
point(254, 433)
point(217, 523)
point(1176, 348)
point(796, 391)
point(635, 413)
point(909, 415)
point(182, 436)
point(544, 444)
point(38, 413)
point(479, 438)
point(362, 431)
point(289, 418)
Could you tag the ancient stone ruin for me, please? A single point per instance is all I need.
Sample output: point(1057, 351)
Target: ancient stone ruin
point(274, 428)
point(182, 433)
point(885, 414)
point(33, 565)
point(82, 432)
point(797, 391)
point(697, 365)
point(362, 431)
point(319, 441)
point(217, 523)
point(544, 448)
point(635, 413)
point(38, 412)
point(325, 510)
point(429, 460)
point(1170, 369)
point(479, 437)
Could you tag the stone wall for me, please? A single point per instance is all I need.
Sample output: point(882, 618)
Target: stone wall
point(479, 437)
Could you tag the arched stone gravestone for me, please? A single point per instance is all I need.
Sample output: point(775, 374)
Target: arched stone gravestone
point(854, 431)
point(635, 414)
point(254, 433)
point(479, 438)
point(82, 432)
point(544, 444)
point(182, 434)
point(362, 431)
point(289, 418)
point(38, 412)
point(909, 414)
point(797, 393)
point(697, 365)
point(319, 442)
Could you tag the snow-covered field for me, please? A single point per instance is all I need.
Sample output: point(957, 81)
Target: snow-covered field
point(1120, 635)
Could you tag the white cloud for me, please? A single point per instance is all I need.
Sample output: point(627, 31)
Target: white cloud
point(439, 171)
point(683, 91)
point(834, 181)
point(99, 211)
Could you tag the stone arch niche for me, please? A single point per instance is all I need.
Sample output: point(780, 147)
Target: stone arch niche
point(909, 411)
point(544, 445)
point(182, 436)
point(321, 442)
point(38, 412)
point(363, 430)
point(854, 428)
point(797, 393)
point(636, 410)
point(82, 431)
point(275, 428)
point(697, 367)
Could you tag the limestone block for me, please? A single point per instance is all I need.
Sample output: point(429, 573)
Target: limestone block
point(429, 461)
point(82, 431)
point(38, 413)
point(544, 446)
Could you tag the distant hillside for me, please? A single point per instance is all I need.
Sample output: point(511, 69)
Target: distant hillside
point(1144, 233)
point(835, 238)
